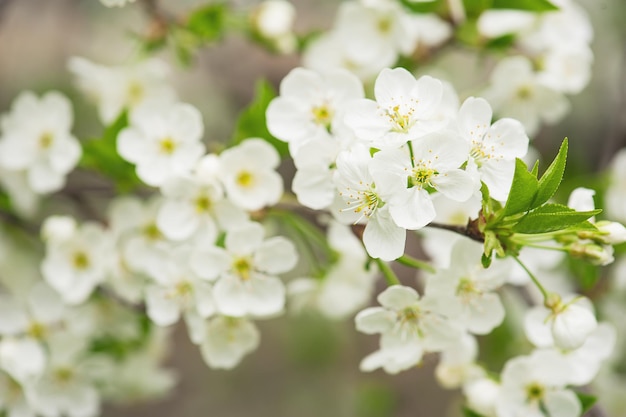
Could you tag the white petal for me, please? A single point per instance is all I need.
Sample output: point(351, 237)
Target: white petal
point(375, 320)
point(383, 239)
point(398, 297)
point(276, 255)
point(162, 308)
point(210, 263)
point(563, 403)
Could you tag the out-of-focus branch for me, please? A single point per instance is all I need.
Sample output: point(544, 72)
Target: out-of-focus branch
point(13, 220)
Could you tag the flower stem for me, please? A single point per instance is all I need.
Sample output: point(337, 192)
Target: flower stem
point(544, 292)
point(390, 276)
point(415, 263)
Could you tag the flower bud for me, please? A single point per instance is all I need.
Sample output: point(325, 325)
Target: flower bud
point(571, 326)
point(274, 18)
point(593, 253)
point(612, 233)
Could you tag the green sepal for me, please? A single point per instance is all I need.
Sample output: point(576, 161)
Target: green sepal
point(252, 122)
point(523, 190)
point(551, 179)
point(550, 218)
point(528, 5)
point(586, 401)
point(101, 155)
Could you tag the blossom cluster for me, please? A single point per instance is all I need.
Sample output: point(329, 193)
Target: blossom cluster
point(384, 161)
point(213, 239)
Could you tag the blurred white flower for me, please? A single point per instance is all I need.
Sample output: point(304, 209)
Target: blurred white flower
point(248, 173)
point(115, 89)
point(36, 140)
point(162, 141)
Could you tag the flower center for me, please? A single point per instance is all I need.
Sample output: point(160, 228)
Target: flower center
point(384, 25)
point(364, 201)
point(401, 121)
point(135, 92)
point(45, 140)
point(80, 260)
point(245, 179)
point(167, 145)
point(36, 330)
point(421, 176)
point(203, 204)
point(322, 115)
point(152, 232)
point(242, 267)
point(535, 392)
point(524, 92)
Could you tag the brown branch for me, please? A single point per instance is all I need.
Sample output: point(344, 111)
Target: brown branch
point(471, 230)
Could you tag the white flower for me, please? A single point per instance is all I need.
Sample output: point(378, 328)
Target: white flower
point(248, 174)
point(246, 271)
point(404, 110)
point(408, 328)
point(178, 290)
point(364, 200)
point(465, 291)
point(191, 206)
point(74, 266)
point(407, 178)
point(227, 340)
point(570, 323)
point(162, 141)
point(115, 89)
point(309, 104)
point(532, 384)
point(496, 23)
point(517, 92)
point(36, 139)
point(68, 385)
point(493, 148)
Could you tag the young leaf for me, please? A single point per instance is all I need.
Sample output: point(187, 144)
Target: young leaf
point(251, 122)
point(523, 190)
point(101, 155)
point(586, 401)
point(208, 22)
point(550, 218)
point(528, 5)
point(551, 179)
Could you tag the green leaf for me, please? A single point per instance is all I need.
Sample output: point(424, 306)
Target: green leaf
point(551, 179)
point(523, 190)
point(535, 170)
point(424, 7)
point(586, 401)
point(528, 5)
point(208, 22)
point(101, 155)
point(470, 413)
point(550, 218)
point(252, 123)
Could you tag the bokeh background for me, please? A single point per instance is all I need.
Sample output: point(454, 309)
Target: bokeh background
point(305, 366)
